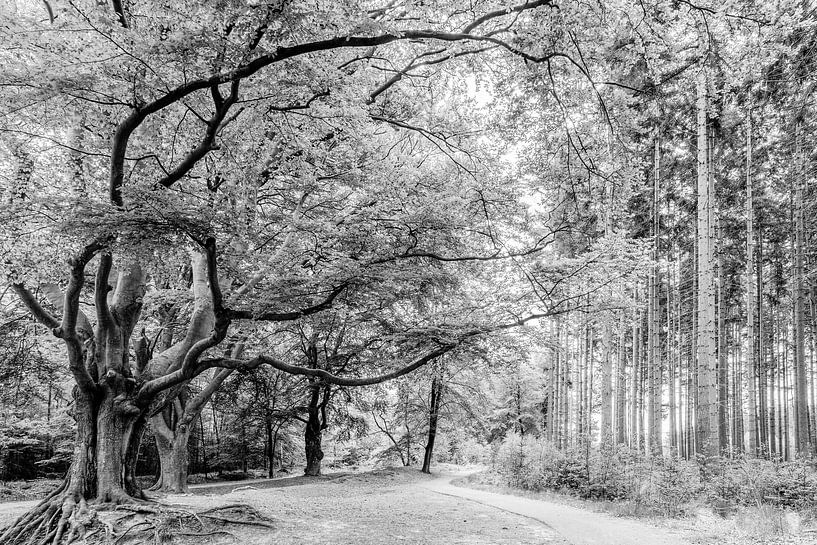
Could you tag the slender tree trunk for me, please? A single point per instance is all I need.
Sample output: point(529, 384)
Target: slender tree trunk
point(780, 392)
point(723, 367)
point(580, 390)
point(564, 399)
point(407, 426)
point(751, 345)
point(786, 422)
point(277, 459)
point(683, 359)
point(435, 403)
point(621, 385)
point(550, 391)
point(671, 359)
point(588, 416)
point(203, 446)
point(813, 371)
point(771, 386)
point(607, 382)
point(692, 370)
point(218, 437)
point(737, 394)
point(270, 444)
point(813, 375)
point(654, 364)
point(633, 435)
point(800, 377)
point(762, 362)
point(707, 402)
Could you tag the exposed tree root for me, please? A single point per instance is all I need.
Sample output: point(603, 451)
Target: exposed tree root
point(248, 515)
point(59, 520)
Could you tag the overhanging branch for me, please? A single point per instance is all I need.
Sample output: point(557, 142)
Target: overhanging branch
point(323, 375)
point(287, 316)
point(142, 111)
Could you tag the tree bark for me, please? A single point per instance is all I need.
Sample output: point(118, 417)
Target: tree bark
point(173, 460)
point(672, 367)
point(723, 365)
point(654, 324)
point(800, 377)
point(607, 381)
point(621, 386)
point(316, 423)
point(763, 412)
point(270, 444)
point(635, 381)
point(738, 441)
point(751, 344)
point(706, 403)
point(437, 388)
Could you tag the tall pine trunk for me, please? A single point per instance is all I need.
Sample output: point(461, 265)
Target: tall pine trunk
point(606, 429)
point(751, 344)
point(672, 355)
point(654, 363)
point(706, 400)
point(800, 377)
point(621, 385)
point(723, 365)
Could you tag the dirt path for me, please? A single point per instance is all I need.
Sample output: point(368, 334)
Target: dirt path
point(403, 506)
point(577, 526)
point(385, 507)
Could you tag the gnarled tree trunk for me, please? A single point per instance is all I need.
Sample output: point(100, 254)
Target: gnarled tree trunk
point(315, 424)
point(171, 444)
point(108, 419)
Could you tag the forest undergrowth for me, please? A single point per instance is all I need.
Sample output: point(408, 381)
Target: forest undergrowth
point(762, 500)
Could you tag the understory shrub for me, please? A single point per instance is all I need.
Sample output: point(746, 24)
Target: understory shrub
point(752, 481)
point(661, 485)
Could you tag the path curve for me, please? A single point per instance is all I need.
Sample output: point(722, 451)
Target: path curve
point(564, 523)
point(578, 526)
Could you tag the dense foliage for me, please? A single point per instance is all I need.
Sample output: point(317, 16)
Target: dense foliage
point(572, 239)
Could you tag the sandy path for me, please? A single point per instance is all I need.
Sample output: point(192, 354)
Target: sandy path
point(378, 508)
point(578, 526)
point(403, 506)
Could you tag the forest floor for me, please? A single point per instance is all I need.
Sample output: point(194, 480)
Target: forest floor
point(395, 506)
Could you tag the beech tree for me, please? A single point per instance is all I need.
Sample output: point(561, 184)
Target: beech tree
point(165, 115)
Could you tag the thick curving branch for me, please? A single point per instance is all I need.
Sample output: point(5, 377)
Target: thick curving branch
point(189, 365)
point(104, 316)
point(287, 316)
point(330, 378)
point(208, 143)
point(326, 376)
point(142, 111)
point(34, 306)
point(66, 328)
point(501, 12)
